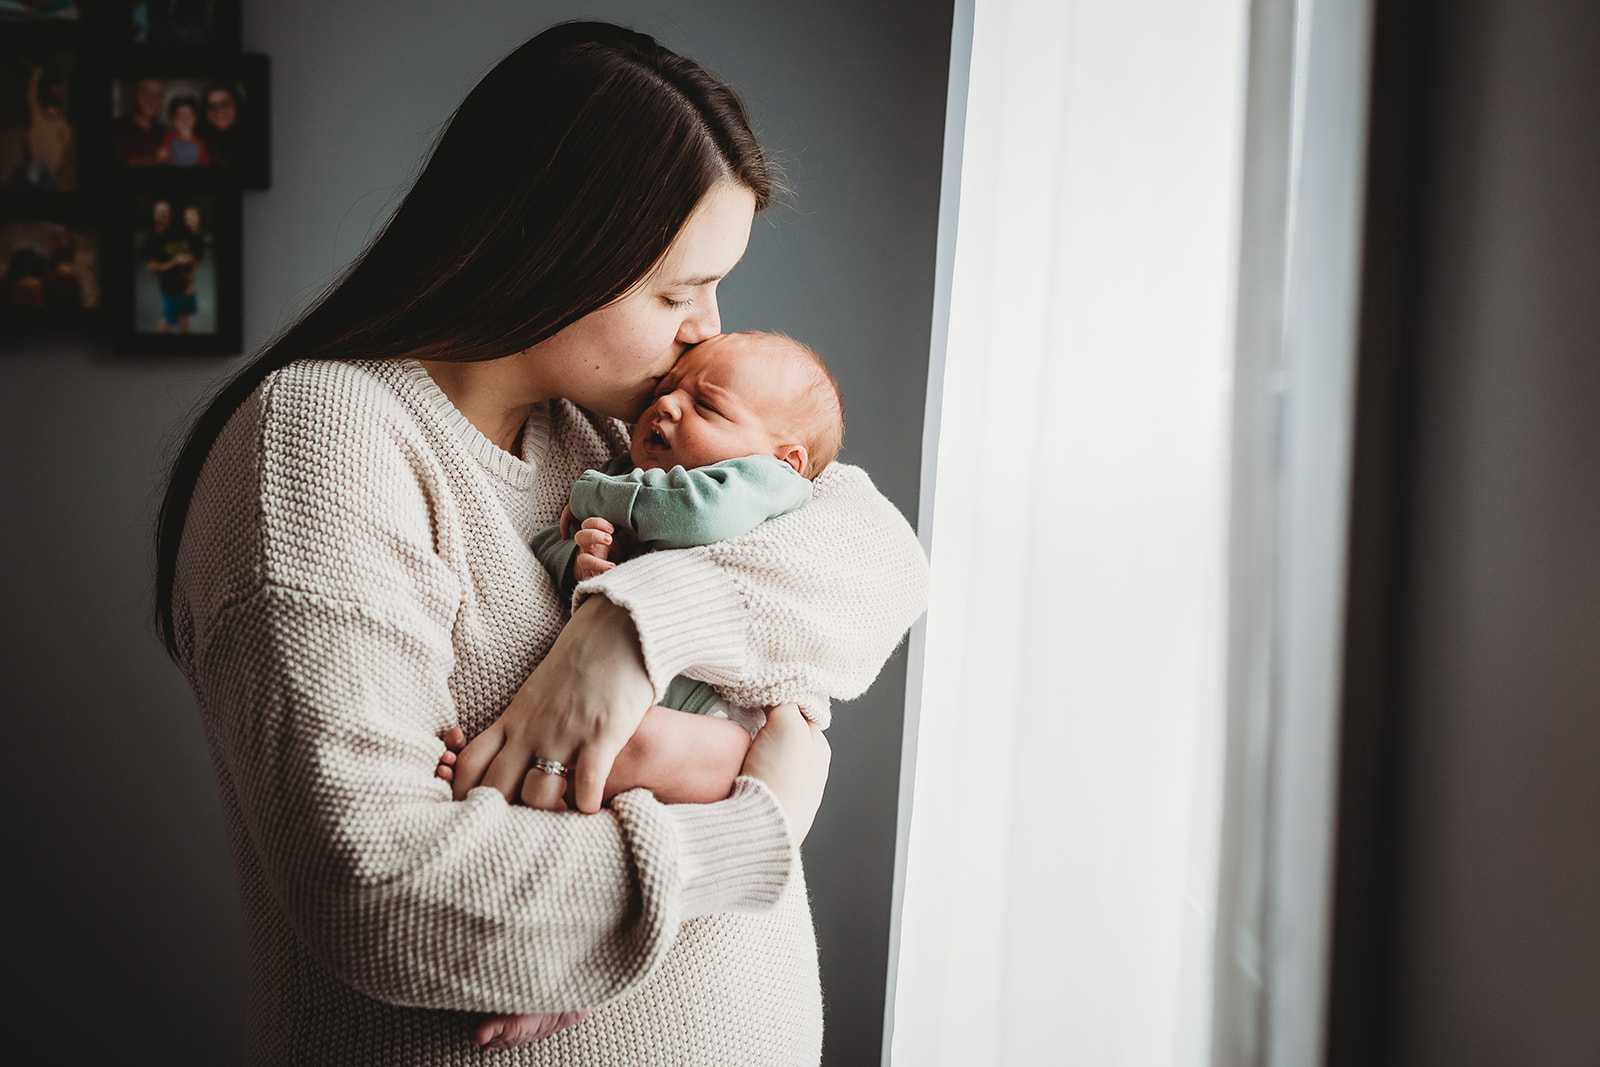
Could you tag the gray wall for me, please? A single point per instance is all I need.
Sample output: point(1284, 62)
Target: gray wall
point(125, 925)
point(1498, 914)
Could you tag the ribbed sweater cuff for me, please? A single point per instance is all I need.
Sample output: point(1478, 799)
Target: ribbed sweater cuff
point(686, 610)
point(735, 855)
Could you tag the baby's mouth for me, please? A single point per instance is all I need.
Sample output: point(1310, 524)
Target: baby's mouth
point(656, 439)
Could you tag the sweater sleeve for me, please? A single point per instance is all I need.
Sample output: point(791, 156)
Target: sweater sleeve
point(679, 508)
point(807, 607)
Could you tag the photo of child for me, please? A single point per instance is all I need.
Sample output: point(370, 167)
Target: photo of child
point(182, 146)
point(47, 269)
point(38, 144)
point(175, 277)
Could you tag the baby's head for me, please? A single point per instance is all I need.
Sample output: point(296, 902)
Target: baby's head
point(743, 394)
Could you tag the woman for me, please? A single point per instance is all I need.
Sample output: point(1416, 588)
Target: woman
point(343, 573)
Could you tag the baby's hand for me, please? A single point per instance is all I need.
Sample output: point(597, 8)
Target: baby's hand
point(594, 546)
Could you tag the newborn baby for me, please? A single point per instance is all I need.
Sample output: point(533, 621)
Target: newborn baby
point(737, 430)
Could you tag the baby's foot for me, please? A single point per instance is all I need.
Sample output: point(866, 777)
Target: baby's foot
point(512, 1031)
point(454, 742)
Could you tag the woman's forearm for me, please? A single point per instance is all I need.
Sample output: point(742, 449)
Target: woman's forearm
point(370, 858)
point(681, 758)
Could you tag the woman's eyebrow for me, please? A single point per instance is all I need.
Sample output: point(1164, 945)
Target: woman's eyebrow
point(696, 281)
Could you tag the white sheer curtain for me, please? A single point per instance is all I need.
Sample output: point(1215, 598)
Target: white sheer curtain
point(1063, 776)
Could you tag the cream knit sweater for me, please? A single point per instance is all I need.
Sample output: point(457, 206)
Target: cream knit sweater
point(354, 579)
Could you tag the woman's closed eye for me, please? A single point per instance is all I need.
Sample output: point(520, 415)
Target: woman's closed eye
point(677, 305)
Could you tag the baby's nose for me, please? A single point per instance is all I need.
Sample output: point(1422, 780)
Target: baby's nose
point(670, 404)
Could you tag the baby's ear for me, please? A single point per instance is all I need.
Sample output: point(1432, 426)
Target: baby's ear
point(794, 455)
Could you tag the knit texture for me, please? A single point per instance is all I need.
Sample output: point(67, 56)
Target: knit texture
point(354, 579)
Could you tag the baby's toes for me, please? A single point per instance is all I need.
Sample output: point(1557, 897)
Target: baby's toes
point(487, 1034)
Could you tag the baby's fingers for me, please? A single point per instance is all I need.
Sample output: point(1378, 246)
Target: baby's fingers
point(587, 566)
point(594, 542)
point(595, 522)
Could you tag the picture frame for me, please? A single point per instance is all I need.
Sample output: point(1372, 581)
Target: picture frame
point(49, 126)
point(176, 272)
point(193, 117)
point(52, 265)
point(63, 23)
point(181, 23)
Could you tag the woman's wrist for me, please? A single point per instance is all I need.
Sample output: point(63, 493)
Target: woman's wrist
point(602, 637)
point(733, 855)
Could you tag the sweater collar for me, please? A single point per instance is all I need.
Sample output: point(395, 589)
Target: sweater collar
point(516, 472)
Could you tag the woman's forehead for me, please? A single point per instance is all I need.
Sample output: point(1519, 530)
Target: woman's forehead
point(712, 240)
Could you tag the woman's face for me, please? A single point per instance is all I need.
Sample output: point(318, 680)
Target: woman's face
point(610, 360)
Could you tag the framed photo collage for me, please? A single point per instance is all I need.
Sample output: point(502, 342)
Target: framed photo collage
point(128, 132)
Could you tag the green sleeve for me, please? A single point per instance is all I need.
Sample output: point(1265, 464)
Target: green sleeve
point(681, 508)
point(557, 556)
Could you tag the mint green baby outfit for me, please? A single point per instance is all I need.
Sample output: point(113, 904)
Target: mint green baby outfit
point(677, 508)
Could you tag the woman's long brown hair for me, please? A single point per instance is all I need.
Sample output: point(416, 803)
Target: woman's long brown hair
point(559, 182)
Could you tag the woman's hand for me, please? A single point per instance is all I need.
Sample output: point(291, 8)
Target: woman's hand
point(579, 707)
point(791, 756)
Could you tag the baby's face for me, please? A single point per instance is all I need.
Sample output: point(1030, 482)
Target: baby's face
point(720, 401)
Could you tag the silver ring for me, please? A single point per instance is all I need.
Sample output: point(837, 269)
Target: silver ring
point(551, 766)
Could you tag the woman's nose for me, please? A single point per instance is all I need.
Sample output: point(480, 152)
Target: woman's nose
point(702, 322)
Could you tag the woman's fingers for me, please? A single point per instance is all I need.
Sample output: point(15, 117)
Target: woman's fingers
point(543, 790)
point(580, 706)
point(589, 781)
point(507, 771)
point(791, 756)
point(474, 760)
